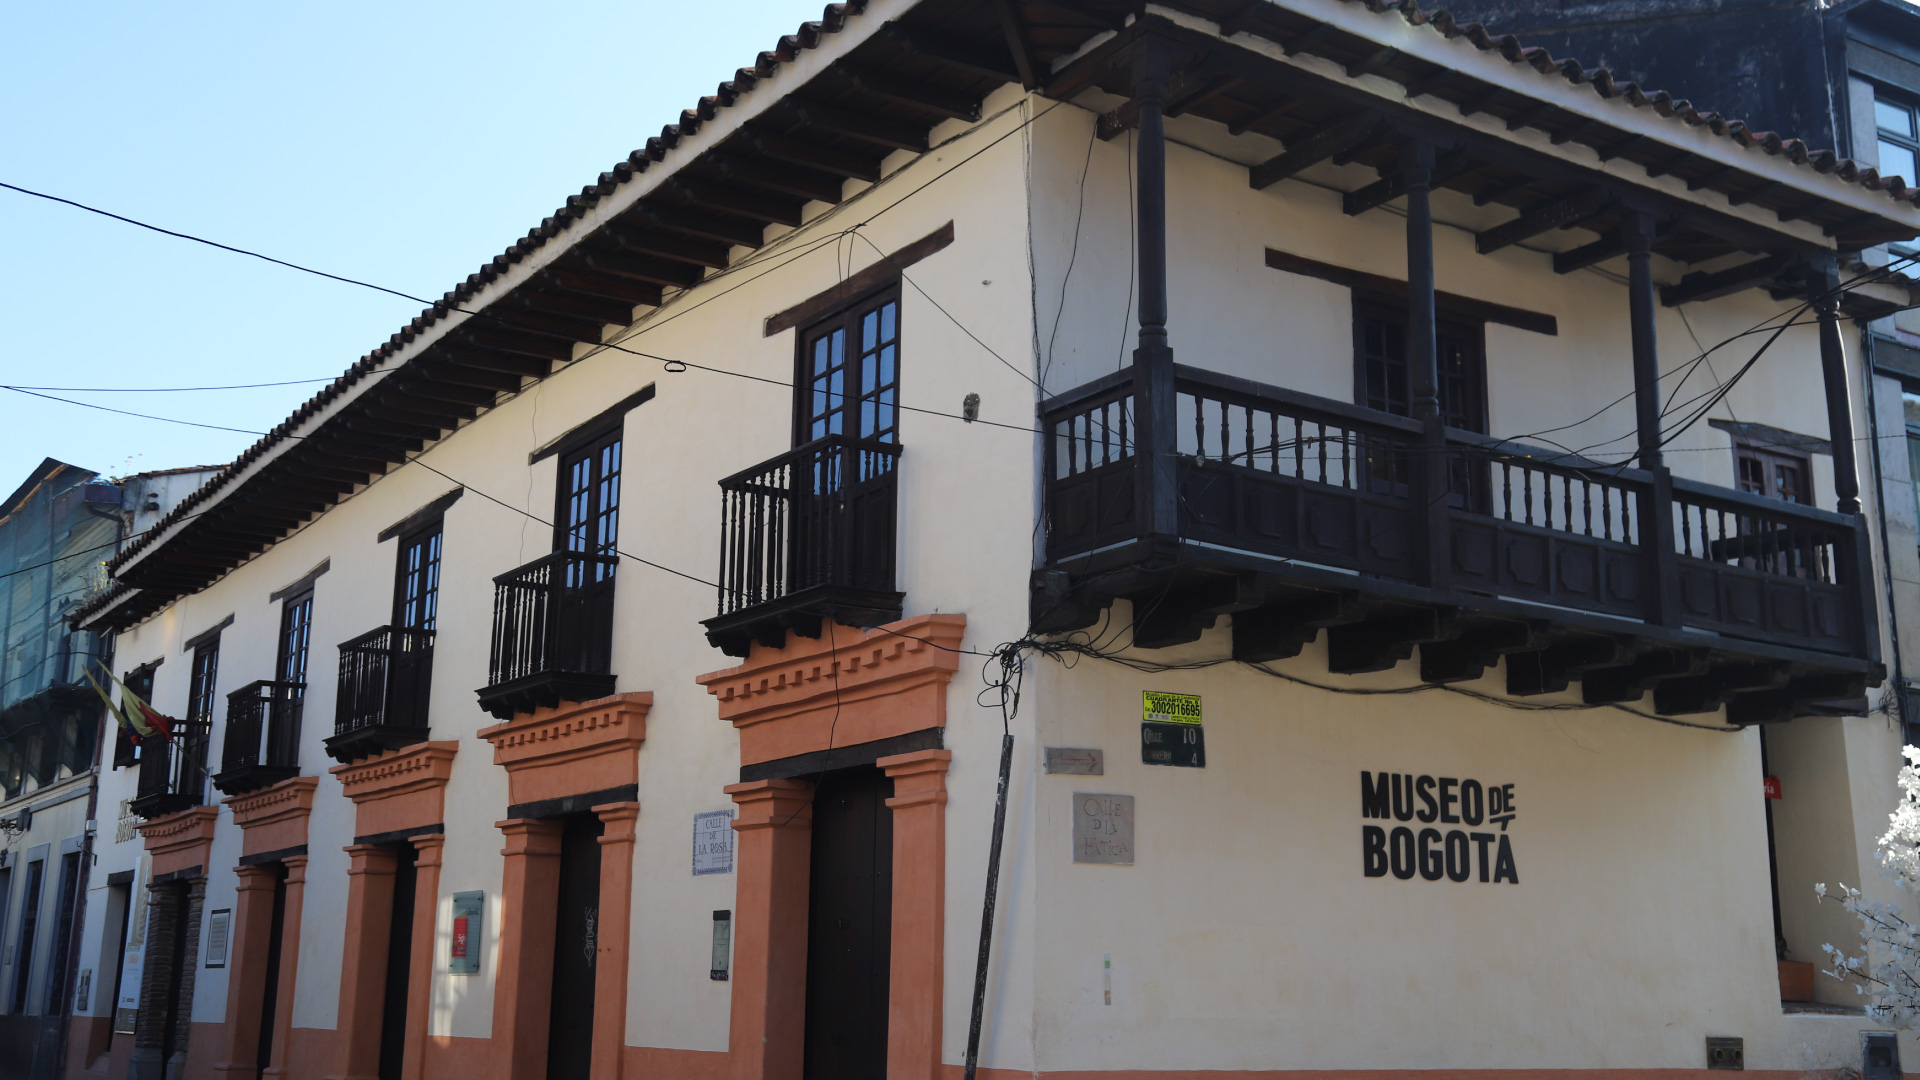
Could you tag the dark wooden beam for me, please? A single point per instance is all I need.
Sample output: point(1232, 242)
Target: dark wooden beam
point(731, 231)
point(857, 125)
point(496, 381)
point(1450, 167)
point(1708, 286)
point(1017, 44)
point(1197, 86)
point(1307, 39)
point(1278, 631)
point(947, 103)
point(1096, 64)
point(785, 179)
point(1479, 104)
point(1382, 641)
point(1385, 136)
point(1552, 670)
point(827, 159)
point(1631, 142)
point(1530, 117)
point(1495, 194)
point(1371, 63)
point(759, 207)
point(684, 249)
point(954, 54)
point(1577, 131)
point(554, 302)
point(1314, 147)
point(639, 267)
point(1607, 247)
point(1272, 112)
point(498, 341)
point(515, 315)
point(455, 395)
point(1477, 649)
point(1241, 17)
point(470, 355)
point(606, 288)
point(1557, 215)
point(1706, 693)
point(1433, 82)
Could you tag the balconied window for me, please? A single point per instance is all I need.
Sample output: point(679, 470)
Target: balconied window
point(553, 618)
point(173, 772)
point(262, 743)
point(386, 674)
point(809, 534)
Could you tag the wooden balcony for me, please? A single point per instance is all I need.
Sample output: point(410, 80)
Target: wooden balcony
point(1298, 514)
point(173, 772)
point(806, 536)
point(552, 634)
point(262, 745)
point(386, 675)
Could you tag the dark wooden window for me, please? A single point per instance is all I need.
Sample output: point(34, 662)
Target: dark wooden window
point(126, 752)
point(589, 514)
point(416, 580)
point(29, 931)
point(1897, 136)
point(200, 684)
point(1774, 475)
point(849, 377)
point(1381, 379)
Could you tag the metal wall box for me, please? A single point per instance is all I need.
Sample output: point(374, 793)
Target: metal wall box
point(1879, 1055)
point(1726, 1052)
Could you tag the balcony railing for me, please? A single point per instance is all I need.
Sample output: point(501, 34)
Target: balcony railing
point(552, 633)
point(262, 745)
point(173, 773)
point(381, 703)
point(805, 536)
point(1325, 491)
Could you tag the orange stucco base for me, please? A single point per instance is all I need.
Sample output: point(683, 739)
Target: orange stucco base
point(180, 841)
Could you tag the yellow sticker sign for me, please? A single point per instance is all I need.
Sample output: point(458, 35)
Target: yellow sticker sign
point(1170, 708)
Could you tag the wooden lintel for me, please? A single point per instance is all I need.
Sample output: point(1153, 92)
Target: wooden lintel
point(1520, 318)
point(1558, 215)
point(1314, 147)
point(1709, 286)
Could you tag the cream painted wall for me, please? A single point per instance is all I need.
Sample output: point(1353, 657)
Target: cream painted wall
point(1245, 936)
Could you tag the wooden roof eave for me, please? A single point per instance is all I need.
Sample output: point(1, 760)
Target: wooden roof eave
point(1611, 120)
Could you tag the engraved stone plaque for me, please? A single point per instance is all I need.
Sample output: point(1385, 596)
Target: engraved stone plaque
point(1102, 828)
point(1076, 761)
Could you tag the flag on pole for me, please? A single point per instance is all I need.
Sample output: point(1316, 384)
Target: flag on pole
point(139, 717)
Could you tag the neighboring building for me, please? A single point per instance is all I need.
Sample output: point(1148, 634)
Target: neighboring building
point(57, 531)
point(1465, 667)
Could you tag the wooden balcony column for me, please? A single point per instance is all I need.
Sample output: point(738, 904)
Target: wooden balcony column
point(1155, 406)
point(1656, 505)
point(1833, 369)
point(1431, 472)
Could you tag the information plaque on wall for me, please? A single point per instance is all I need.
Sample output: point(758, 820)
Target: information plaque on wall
point(1102, 828)
point(713, 842)
point(463, 956)
point(217, 922)
point(1170, 731)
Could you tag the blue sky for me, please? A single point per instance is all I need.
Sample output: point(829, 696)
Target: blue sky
point(399, 143)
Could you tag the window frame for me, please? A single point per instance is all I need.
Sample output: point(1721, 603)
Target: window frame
point(1470, 331)
point(431, 532)
point(1908, 140)
point(1769, 457)
point(589, 450)
point(847, 317)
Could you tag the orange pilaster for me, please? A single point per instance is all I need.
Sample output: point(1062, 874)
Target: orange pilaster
point(247, 974)
point(426, 906)
point(363, 961)
point(614, 929)
point(768, 1028)
point(289, 964)
point(919, 806)
point(529, 903)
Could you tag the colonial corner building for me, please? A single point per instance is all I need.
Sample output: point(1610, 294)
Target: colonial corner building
point(1293, 410)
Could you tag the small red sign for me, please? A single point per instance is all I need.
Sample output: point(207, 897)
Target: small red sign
point(1773, 787)
point(460, 929)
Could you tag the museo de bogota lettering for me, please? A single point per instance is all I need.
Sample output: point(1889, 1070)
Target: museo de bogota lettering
point(1455, 854)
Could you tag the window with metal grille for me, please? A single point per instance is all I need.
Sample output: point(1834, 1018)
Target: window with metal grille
point(850, 373)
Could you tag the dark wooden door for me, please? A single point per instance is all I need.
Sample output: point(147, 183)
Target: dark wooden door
point(269, 994)
point(576, 937)
point(393, 1008)
point(849, 926)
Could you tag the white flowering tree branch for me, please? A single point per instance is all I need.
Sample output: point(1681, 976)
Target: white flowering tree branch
point(1894, 978)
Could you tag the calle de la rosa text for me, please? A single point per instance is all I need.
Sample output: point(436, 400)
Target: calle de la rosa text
point(1456, 854)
